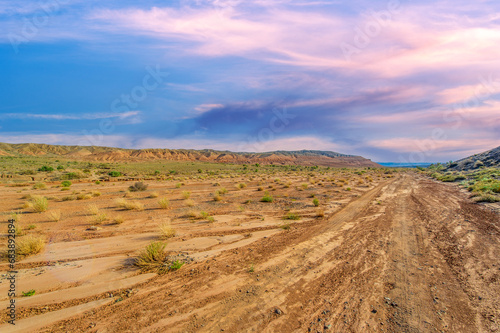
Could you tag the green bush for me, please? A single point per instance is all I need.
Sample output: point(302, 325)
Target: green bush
point(66, 183)
point(114, 174)
point(267, 198)
point(316, 202)
point(46, 169)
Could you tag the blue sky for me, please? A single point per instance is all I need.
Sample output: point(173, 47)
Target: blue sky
point(390, 80)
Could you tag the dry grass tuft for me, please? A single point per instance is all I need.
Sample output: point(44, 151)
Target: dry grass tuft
point(54, 215)
point(152, 257)
point(30, 245)
point(164, 203)
point(166, 230)
point(130, 205)
point(92, 209)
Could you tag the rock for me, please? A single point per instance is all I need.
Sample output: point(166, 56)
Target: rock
point(277, 311)
point(93, 228)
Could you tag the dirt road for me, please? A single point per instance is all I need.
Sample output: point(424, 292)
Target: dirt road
point(410, 255)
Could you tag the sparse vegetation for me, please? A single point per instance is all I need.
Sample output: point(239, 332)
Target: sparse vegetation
point(138, 186)
point(164, 203)
point(29, 293)
point(130, 205)
point(54, 215)
point(291, 216)
point(66, 183)
point(39, 186)
point(186, 194)
point(29, 245)
point(166, 230)
point(316, 202)
point(267, 198)
point(37, 203)
point(152, 257)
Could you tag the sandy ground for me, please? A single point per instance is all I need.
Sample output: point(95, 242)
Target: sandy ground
point(402, 254)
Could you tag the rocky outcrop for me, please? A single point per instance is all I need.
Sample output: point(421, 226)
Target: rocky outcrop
point(488, 159)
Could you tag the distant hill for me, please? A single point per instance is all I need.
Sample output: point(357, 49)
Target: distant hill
point(490, 158)
point(94, 153)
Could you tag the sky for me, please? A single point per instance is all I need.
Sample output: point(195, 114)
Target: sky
point(393, 81)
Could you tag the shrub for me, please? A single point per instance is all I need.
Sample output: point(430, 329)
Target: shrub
point(217, 196)
point(99, 218)
point(193, 214)
point(96, 194)
point(267, 198)
point(304, 186)
point(29, 245)
point(316, 202)
point(66, 183)
point(92, 209)
point(186, 194)
point(152, 257)
point(68, 198)
point(46, 168)
point(285, 226)
point(39, 186)
point(97, 182)
point(486, 197)
point(222, 190)
point(29, 293)
point(166, 230)
point(130, 205)
point(154, 195)
point(83, 196)
point(118, 220)
point(55, 215)
point(73, 175)
point(164, 203)
point(38, 204)
point(348, 189)
point(178, 185)
point(114, 173)
point(189, 203)
point(241, 186)
point(175, 265)
point(320, 213)
point(138, 186)
point(291, 216)
point(15, 216)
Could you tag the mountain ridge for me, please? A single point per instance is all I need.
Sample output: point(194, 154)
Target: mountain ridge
point(99, 153)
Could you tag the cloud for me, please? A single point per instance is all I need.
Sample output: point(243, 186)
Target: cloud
point(130, 115)
point(207, 107)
